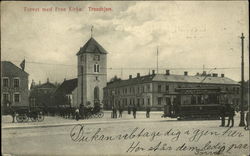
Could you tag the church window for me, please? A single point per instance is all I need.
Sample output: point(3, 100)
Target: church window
point(96, 68)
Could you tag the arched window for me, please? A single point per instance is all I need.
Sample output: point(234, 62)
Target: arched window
point(96, 93)
point(96, 68)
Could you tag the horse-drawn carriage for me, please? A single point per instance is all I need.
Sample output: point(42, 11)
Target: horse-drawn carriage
point(34, 114)
point(91, 112)
point(24, 113)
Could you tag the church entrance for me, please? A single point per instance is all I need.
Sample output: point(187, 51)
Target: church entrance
point(96, 96)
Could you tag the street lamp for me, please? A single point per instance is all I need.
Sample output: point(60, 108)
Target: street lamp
point(242, 123)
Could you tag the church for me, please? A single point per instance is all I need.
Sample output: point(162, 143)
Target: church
point(91, 73)
point(87, 88)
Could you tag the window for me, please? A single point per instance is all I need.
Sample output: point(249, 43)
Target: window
point(16, 97)
point(148, 101)
point(96, 68)
point(167, 88)
point(138, 101)
point(159, 88)
point(148, 88)
point(142, 101)
point(5, 82)
point(5, 97)
point(168, 101)
point(159, 100)
point(16, 82)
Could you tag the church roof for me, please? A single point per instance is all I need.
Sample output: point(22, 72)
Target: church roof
point(92, 46)
point(67, 86)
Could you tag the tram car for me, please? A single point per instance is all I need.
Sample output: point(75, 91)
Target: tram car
point(197, 103)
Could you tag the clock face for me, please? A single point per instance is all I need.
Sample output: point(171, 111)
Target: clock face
point(97, 58)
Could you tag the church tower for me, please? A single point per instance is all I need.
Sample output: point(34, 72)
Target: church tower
point(92, 73)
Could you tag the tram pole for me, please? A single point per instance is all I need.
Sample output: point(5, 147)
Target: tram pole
point(242, 123)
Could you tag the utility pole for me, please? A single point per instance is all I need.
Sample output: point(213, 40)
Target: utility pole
point(157, 61)
point(242, 123)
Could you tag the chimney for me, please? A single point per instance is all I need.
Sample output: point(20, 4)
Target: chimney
point(185, 73)
point(222, 75)
point(215, 75)
point(130, 76)
point(138, 75)
point(167, 72)
point(153, 72)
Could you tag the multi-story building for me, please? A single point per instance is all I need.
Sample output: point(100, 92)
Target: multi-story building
point(92, 73)
point(14, 85)
point(157, 90)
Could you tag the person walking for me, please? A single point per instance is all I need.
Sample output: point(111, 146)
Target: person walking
point(77, 114)
point(120, 111)
point(134, 111)
point(230, 115)
point(222, 115)
point(148, 112)
point(247, 121)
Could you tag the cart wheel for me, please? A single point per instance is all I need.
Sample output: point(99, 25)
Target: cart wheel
point(33, 119)
point(19, 118)
point(25, 118)
point(100, 114)
point(40, 117)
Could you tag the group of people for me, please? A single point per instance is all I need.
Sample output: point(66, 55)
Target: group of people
point(114, 112)
point(228, 111)
point(130, 108)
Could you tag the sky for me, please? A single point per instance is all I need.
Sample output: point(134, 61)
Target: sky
point(190, 36)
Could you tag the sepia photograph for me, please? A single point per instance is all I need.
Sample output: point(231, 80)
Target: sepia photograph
point(125, 78)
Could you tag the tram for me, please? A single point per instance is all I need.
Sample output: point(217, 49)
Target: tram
point(197, 103)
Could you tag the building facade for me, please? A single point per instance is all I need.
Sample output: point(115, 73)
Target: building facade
point(14, 85)
point(157, 90)
point(92, 73)
point(66, 93)
point(41, 95)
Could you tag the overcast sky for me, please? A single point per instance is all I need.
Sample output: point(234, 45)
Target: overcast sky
point(188, 34)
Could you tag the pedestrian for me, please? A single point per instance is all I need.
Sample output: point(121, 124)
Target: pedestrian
point(129, 109)
point(77, 114)
point(222, 115)
point(120, 111)
point(247, 121)
point(134, 111)
point(231, 114)
point(148, 112)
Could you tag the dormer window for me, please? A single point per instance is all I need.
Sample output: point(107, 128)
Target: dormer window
point(96, 68)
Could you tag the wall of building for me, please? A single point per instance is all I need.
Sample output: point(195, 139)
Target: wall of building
point(22, 90)
point(89, 79)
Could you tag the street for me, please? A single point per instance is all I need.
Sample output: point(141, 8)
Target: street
point(128, 136)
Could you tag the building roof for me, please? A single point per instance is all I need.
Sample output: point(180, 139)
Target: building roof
point(8, 68)
point(67, 86)
point(47, 85)
point(92, 46)
point(173, 78)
